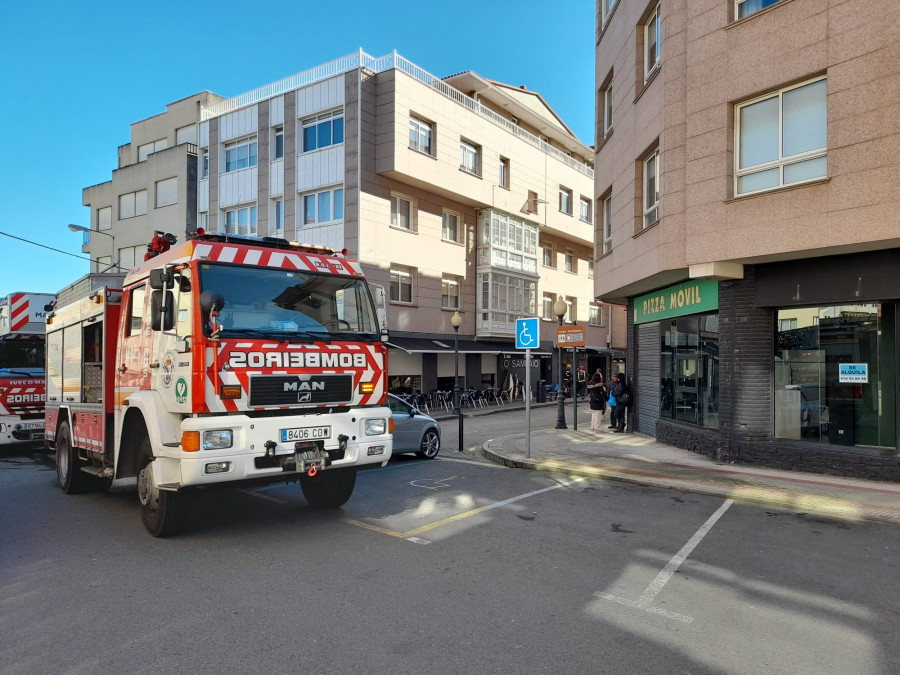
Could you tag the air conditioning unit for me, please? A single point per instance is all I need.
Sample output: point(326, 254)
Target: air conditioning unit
point(515, 120)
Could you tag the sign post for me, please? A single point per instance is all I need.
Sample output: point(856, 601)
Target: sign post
point(572, 336)
point(527, 338)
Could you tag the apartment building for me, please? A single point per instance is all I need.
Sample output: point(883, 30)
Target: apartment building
point(153, 188)
point(455, 194)
point(746, 161)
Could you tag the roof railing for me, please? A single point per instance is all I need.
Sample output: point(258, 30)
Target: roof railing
point(381, 64)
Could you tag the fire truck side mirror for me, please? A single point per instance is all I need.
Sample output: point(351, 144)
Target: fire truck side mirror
point(161, 278)
point(162, 317)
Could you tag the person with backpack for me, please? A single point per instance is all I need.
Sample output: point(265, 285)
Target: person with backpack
point(597, 394)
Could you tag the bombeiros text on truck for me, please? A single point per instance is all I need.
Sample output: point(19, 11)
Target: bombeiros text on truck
point(218, 361)
point(22, 367)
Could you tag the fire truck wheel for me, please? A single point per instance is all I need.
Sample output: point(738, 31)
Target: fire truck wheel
point(162, 511)
point(71, 478)
point(330, 488)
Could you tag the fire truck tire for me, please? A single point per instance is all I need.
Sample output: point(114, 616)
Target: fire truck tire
point(71, 478)
point(328, 489)
point(162, 511)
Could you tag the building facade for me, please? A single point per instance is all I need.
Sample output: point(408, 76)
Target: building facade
point(455, 194)
point(745, 163)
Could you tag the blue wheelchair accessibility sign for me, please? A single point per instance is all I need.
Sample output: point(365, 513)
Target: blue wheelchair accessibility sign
point(527, 333)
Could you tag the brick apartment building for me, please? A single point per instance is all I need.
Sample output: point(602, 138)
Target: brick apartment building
point(746, 171)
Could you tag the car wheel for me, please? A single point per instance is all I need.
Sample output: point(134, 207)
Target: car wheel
point(431, 445)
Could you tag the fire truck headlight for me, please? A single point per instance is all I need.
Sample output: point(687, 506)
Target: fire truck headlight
point(376, 427)
point(217, 439)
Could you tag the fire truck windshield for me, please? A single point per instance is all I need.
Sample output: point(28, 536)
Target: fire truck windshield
point(21, 353)
point(267, 300)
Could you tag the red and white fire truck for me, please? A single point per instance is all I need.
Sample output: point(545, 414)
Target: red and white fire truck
point(22, 367)
point(221, 360)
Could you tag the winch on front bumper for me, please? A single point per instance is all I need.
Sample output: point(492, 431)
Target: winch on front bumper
point(307, 456)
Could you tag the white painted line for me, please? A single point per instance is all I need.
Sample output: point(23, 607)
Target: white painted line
point(416, 540)
point(663, 577)
point(644, 602)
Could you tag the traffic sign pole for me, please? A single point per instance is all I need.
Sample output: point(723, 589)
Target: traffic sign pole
point(528, 403)
point(527, 337)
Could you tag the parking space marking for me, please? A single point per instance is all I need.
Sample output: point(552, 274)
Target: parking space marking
point(432, 483)
point(650, 593)
point(460, 516)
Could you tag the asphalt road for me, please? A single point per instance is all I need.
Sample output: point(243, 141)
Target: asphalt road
point(446, 566)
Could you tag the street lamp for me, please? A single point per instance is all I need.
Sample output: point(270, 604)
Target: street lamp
point(82, 228)
point(456, 320)
point(559, 308)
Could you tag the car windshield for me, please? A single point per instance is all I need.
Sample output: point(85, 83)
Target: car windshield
point(261, 300)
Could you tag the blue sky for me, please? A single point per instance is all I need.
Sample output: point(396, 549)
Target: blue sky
point(76, 75)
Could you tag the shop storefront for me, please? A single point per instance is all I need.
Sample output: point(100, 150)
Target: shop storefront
point(795, 366)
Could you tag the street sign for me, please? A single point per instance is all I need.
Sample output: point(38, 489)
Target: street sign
point(570, 336)
point(527, 333)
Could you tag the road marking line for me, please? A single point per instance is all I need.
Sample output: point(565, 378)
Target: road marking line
point(416, 540)
point(663, 577)
point(411, 534)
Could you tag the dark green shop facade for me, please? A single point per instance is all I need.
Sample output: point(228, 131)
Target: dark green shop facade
point(795, 366)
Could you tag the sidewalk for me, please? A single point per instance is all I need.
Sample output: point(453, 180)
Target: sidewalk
point(636, 458)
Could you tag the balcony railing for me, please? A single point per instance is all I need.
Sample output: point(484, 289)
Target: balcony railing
point(378, 65)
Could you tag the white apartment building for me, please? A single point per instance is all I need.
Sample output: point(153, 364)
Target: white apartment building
point(455, 194)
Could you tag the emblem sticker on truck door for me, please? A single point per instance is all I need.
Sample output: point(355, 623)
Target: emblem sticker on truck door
point(181, 390)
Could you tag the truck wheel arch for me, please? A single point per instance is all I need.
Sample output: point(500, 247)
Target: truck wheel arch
point(134, 429)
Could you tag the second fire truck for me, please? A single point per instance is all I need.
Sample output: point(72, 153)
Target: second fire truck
point(222, 360)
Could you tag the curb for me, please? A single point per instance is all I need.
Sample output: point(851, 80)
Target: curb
point(742, 491)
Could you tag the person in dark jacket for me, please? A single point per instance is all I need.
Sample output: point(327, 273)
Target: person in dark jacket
point(597, 395)
point(622, 392)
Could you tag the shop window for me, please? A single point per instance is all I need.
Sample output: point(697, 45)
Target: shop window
point(835, 375)
point(689, 370)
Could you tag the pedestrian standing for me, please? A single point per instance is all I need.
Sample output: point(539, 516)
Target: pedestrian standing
point(613, 402)
point(622, 392)
point(597, 394)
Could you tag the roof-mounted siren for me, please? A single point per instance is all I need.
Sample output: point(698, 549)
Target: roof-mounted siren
point(160, 243)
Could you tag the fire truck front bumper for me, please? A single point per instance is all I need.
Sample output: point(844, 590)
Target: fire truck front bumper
point(15, 431)
point(238, 447)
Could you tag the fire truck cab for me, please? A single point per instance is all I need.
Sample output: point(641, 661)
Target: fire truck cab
point(223, 360)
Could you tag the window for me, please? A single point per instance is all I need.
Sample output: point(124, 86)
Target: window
point(607, 224)
point(240, 154)
point(651, 43)
point(148, 149)
point(241, 220)
point(782, 138)
point(402, 284)
point(548, 255)
point(570, 261)
point(104, 218)
point(547, 302)
point(607, 110)
point(323, 131)
point(204, 164)
point(136, 312)
point(651, 188)
point(590, 269)
point(186, 134)
point(818, 397)
point(132, 204)
point(596, 317)
point(278, 216)
point(689, 369)
point(166, 192)
point(744, 8)
point(606, 8)
point(531, 206)
point(420, 133)
point(279, 142)
point(203, 221)
point(571, 309)
point(506, 297)
point(450, 292)
point(565, 200)
point(450, 226)
point(324, 206)
point(468, 157)
point(507, 241)
point(504, 172)
point(401, 212)
point(584, 210)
